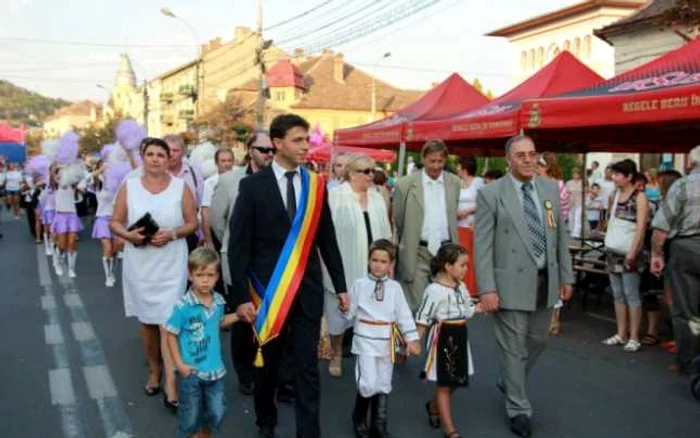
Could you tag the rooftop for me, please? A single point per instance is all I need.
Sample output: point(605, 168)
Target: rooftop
point(651, 12)
point(563, 14)
point(82, 108)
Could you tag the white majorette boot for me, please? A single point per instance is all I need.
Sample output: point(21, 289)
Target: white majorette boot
point(58, 262)
point(72, 256)
point(47, 245)
point(106, 262)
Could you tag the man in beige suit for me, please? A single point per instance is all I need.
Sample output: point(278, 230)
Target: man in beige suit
point(424, 209)
point(523, 267)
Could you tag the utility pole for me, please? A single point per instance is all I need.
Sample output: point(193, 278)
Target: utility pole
point(145, 105)
point(260, 53)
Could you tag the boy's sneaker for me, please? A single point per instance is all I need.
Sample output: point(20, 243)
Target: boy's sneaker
point(71, 273)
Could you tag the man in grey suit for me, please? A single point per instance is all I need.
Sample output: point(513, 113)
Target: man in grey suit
point(260, 154)
point(424, 209)
point(523, 267)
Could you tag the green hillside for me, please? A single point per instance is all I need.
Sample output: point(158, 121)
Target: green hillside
point(19, 105)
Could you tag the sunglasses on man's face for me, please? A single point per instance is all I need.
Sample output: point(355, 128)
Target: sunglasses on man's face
point(264, 150)
point(365, 171)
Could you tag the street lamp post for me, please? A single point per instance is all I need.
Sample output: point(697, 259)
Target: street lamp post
point(198, 92)
point(374, 86)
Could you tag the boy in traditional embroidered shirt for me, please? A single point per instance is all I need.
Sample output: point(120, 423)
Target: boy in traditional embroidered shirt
point(383, 320)
point(194, 341)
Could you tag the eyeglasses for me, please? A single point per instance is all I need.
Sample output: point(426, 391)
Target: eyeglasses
point(365, 171)
point(264, 150)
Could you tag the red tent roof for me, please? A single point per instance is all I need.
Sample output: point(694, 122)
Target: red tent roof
point(453, 96)
point(500, 118)
point(324, 153)
point(8, 134)
point(656, 105)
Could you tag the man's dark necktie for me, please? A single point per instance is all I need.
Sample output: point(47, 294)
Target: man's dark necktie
point(533, 221)
point(291, 196)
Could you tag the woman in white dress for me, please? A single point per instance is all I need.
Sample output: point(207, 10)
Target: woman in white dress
point(360, 217)
point(154, 274)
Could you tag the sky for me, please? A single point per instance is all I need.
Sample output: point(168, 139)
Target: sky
point(80, 40)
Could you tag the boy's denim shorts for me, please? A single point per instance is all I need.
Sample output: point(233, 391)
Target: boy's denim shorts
point(202, 404)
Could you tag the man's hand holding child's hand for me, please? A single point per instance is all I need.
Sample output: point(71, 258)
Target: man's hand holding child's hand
point(413, 348)
point(185, 370)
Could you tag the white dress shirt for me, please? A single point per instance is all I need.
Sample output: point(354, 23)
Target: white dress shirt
point(209, 187)
point(435, 228)
point(282, 182)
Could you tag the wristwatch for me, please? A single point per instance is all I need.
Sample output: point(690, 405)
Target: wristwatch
point(173, 235)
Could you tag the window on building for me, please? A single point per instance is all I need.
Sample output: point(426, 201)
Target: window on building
point(531, 59)
point(577, 46)
point(567, 45)
point(540, 56)
point(280, 96)
point(553, 52)
point(523, 60)
point(587, 43)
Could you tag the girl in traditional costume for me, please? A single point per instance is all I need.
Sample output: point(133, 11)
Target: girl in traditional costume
point(443, 315)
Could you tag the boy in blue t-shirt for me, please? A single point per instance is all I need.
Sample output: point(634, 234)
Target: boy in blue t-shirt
point(195, 344)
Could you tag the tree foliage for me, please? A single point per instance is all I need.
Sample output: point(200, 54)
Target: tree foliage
point(225, 125)
point(480, 88)
point(96, 135)
point(21, 106)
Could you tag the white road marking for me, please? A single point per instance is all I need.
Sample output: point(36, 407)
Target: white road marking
point(72, 300)
point(53, 334)
point(99, 382)
point(61, 387)
point(60, 381)
point(48, 302)
point(82, 331)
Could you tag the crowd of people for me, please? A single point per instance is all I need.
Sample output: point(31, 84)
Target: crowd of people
point(299, 265)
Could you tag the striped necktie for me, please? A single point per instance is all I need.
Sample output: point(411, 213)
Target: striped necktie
point(534, 221)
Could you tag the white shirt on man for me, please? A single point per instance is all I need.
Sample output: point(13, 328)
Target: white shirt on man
point(209, 187)
point(282, 182)
point(436, 228)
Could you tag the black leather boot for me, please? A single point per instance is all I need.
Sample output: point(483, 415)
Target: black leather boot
point(359, 416)
point(380, 408)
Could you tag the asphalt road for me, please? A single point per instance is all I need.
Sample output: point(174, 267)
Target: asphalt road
point(72, 367)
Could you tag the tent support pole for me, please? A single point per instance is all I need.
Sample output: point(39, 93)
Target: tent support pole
point(584, 190)
point(402, 158)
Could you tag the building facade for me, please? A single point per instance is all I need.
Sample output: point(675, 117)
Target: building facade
point(537, 40)
point(75, 116)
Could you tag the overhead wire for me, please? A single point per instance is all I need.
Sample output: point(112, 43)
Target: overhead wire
point(298, 16)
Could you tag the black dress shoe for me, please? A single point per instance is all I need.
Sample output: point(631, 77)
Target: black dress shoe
point(285, 394)
point(520, 425)
point(266, 432)
point(246, 388)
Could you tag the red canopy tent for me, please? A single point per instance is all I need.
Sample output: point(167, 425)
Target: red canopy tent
point(490, 124)
point(452, 96)
point(325, 152)
point(654, 107)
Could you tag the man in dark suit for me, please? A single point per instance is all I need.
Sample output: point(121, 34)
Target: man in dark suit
point(267, 202)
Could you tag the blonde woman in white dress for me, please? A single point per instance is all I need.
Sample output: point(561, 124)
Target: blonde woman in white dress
point(154, 274)
point(360, 217)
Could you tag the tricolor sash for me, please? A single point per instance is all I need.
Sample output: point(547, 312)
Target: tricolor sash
point(275, 300)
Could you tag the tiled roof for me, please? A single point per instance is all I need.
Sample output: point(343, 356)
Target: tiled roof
point(353, 93)
point(82, 108)
point(651, 11)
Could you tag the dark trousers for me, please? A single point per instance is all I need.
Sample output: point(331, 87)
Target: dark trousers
point(243, 350)
point(302, 336)
point(685, 289)
point(31, 219)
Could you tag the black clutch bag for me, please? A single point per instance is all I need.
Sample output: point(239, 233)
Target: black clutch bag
point(149, 225)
